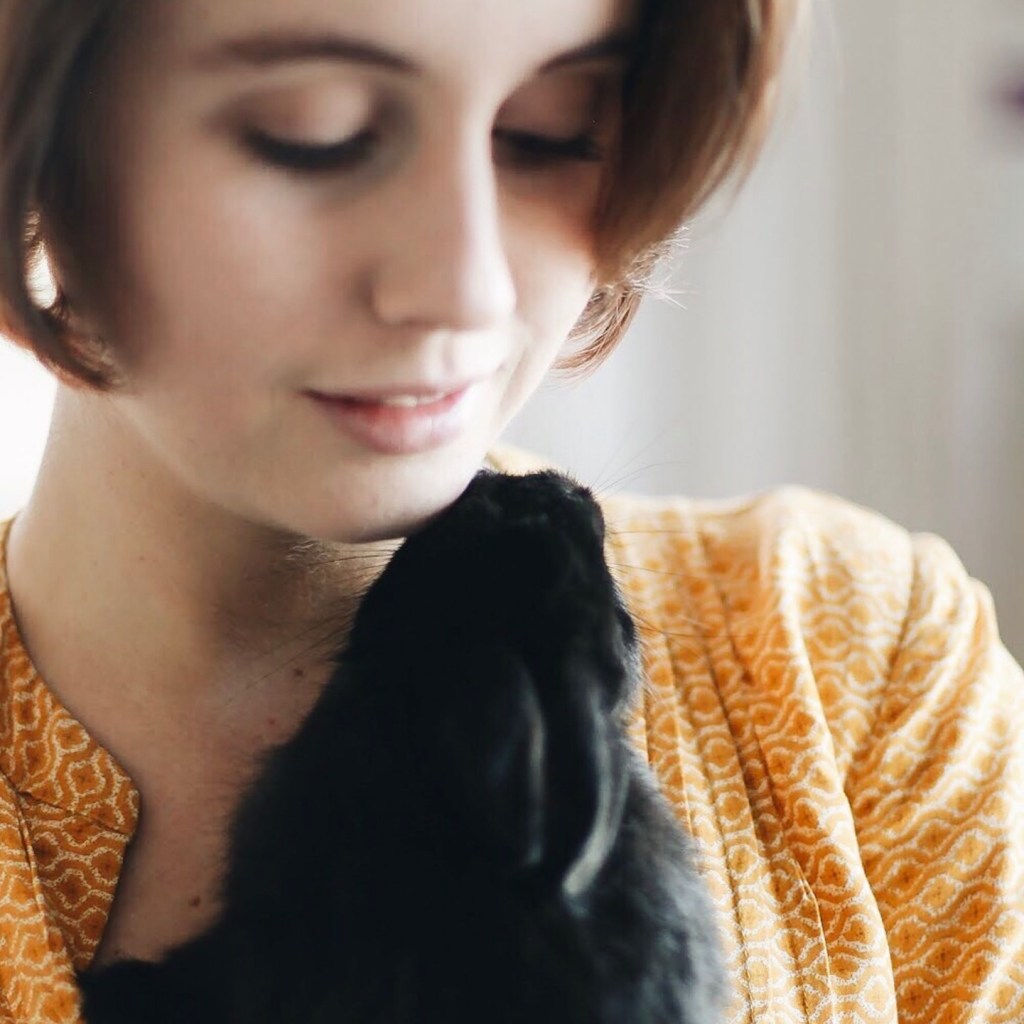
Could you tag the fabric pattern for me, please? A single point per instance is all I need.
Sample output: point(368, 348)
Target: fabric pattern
point(67, 812)
point(828, 706)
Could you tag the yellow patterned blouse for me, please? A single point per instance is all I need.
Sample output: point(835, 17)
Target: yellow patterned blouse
point(829, 707)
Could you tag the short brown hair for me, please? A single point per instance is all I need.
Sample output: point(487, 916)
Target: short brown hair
point(697, 98)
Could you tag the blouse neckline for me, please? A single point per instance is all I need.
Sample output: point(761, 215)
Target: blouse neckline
point(46, 754)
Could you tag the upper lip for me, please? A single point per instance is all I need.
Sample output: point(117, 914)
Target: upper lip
point(395, 391)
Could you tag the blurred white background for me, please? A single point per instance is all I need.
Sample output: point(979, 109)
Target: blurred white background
point(854, 321)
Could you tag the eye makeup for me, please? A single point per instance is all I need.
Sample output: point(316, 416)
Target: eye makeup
point(312, 158)
point(341, 127)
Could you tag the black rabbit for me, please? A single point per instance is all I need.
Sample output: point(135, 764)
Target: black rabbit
point(460, 832)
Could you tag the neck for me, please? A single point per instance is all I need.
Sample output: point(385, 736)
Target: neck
point(117, 572)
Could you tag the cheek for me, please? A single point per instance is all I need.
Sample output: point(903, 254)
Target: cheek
point(212, 267)
point(554, 285)
point(198, 282)
point(554, 272)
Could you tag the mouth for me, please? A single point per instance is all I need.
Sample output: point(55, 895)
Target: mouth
point(397, 400)
point(413, 401)
point(402, 420)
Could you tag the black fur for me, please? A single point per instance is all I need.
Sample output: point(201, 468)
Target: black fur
point(460, 831)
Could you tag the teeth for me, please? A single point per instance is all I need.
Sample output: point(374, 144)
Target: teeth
point(410, 401)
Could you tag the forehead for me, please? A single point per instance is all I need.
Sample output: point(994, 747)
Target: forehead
point(458, 41)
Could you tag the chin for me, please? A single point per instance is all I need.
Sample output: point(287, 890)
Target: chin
point(394, 504)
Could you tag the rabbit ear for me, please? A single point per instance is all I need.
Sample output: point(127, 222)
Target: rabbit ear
point(586, 780)
point(531, 765)
point(485, 737)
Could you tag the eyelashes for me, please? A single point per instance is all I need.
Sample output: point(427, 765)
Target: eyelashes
point(348, 154)
point(522, 149)
point(529, 148)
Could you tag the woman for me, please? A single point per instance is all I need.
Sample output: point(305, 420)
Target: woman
point(310, 259)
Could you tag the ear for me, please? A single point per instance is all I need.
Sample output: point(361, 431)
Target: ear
point(586, 779)
point(532, 767)
point(484, 738)
point(57, 283)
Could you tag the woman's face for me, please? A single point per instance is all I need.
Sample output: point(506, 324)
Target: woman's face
point(346, 240)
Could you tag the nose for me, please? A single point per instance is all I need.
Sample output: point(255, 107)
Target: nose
point(445, 264)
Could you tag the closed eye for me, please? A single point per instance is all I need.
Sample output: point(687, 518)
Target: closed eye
point(523, 149)
point(312, 158)
point(530, 149)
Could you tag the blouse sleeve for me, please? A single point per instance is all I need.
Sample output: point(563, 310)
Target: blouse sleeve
point(937, 794)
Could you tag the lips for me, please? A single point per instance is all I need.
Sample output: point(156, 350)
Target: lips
point(403, 420)
point(402, 399)
point(397, 391)
point(407, 401)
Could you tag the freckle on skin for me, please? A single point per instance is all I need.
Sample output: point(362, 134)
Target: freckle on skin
point(195, 901)
point(299, 673)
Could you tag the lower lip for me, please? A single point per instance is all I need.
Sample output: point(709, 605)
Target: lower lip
point(399, 429)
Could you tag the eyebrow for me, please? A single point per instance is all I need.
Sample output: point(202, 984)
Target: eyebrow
point(268, 49)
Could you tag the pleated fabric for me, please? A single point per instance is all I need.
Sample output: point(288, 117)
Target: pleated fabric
point(828, 706)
